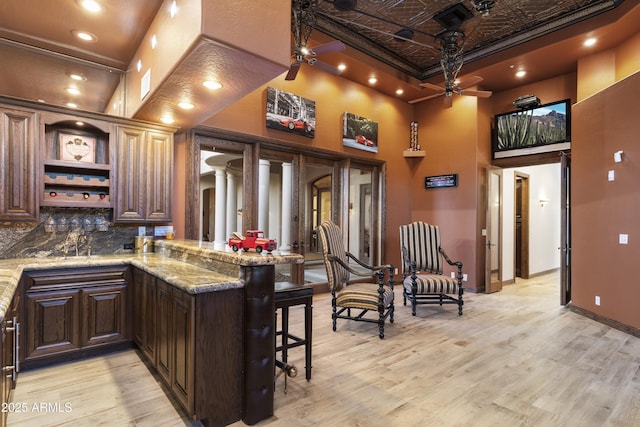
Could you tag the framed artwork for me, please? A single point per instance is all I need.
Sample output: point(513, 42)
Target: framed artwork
point(290, 113)
point(359, 132)
point(77, 148)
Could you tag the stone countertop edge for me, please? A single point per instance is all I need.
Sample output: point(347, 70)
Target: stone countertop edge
point(190, 278)
point(207, 249)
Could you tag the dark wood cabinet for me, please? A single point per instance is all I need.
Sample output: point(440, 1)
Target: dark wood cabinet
point(175, 341)
point(69, 311)
point(104, 311)
point(9, 345)
point(198, 345)
point(52, 323)
point(144, 175)
point(18, 151)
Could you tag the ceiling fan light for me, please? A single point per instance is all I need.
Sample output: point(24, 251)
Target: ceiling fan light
point(345, 5)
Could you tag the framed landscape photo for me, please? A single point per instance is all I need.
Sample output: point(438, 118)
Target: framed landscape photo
point(77, 148)
point(359, 132)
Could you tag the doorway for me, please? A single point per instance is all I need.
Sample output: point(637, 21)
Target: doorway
point(521, 221)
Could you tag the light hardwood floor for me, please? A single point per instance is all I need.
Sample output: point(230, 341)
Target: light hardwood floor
point(515, 358)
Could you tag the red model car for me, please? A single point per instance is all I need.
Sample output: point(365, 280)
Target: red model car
point(364, 141)
point(293, 124)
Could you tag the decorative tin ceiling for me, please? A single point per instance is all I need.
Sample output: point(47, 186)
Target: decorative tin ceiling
point(405, 33)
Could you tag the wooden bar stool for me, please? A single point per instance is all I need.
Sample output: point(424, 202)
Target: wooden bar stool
point(288, 295)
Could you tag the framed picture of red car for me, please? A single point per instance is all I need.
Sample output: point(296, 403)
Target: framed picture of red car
point(359, 132)
point(290, 113)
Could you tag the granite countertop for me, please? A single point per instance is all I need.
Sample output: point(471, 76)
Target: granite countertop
point(188, 277)
point(207, 250)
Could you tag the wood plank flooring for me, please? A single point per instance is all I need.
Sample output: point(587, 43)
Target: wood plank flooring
point(515, 358)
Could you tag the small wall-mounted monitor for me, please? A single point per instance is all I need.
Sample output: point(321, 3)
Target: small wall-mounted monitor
point(533, 130)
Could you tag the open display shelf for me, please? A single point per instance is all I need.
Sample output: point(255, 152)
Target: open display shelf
point(70, 183)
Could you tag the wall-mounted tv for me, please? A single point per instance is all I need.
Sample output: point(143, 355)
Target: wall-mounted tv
point(533, 130)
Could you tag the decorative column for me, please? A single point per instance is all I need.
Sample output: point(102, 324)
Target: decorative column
point(263, 195)
point(232, 204)
point(220, 238)
point(285, 243)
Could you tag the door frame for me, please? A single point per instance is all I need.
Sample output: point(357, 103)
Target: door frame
point(565, 228)
point(525, 209)
point(492, 285)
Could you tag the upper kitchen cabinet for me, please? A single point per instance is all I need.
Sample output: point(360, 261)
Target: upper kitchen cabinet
point(18, 163)
point(144, 164)
point(77, 165)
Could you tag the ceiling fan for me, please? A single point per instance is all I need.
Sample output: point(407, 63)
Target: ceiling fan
point(451, 62)
point(303, 14)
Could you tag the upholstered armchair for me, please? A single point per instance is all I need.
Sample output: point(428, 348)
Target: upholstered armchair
point(375, 296)
point(422, 263)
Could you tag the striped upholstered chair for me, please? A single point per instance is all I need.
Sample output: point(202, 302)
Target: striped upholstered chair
point(422, 262)
point(374, 296)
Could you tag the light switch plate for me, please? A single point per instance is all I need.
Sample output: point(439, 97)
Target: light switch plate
point(611, 176)
point(623, 239)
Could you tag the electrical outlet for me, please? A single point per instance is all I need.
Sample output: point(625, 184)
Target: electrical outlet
point(597, 300)
point(395, 272)
point(453, 275)
point(623, 239)
point(464, 277)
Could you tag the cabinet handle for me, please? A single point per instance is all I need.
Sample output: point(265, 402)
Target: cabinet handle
point(15, 368)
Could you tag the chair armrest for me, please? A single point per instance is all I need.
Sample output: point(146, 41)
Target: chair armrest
point(446, 257)
point(371, 269)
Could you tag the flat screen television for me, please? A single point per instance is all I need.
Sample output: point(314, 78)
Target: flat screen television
point(533, 130)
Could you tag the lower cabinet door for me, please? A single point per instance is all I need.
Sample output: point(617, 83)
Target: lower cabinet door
point(183, 323)
point(53, 322)
point(104, 308)
point(164, 331)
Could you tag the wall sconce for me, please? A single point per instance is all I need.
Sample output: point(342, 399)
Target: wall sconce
point(543, 202)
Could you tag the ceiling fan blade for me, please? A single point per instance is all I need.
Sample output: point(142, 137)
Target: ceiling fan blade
point(471, 81)
point(293, 71)
point(431, 86)
point(448, 101)
point(325, 67)
point(334, 46)
point(415, 101)
point(478, 93)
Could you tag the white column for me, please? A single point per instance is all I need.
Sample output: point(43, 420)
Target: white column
point(220, 238)
point(285, 244)
point(263, 195)
point(232, 204)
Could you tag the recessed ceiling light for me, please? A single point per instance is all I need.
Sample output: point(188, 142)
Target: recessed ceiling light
point(80, 123)
point(173, 9)
point(168, 120)
point(72, 105)
point(212, 84)
point(520, 74)
point(186, 105)
point(590, 42)
point(73, 90)
point(342, 67)
point(84, 36)
point(399, 91)
point(41, 100)
point(154, 41)
point(90, 5)
point(372, 80)
point(77, 77)
point(139, 65)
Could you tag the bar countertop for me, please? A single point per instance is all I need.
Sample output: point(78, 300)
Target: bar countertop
point(178, 270)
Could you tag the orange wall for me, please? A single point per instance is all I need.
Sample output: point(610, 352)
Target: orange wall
point(334, 96)
point(603, 124)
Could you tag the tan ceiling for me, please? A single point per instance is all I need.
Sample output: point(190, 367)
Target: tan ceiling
point(38, 51)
